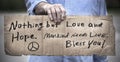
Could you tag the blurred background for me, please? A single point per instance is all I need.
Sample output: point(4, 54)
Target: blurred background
point(18, 7)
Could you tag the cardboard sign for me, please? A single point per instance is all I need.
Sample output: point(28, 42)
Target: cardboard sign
point(77, 35)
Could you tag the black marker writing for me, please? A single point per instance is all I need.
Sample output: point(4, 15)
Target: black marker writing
point(96, 43)
point(18, 37)
point(16, 25)
point(70, 43)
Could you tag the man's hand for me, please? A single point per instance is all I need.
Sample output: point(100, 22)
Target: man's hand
point(56, 12)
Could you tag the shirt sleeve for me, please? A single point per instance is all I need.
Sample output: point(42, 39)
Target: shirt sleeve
point(30, 4)
point(103, 10)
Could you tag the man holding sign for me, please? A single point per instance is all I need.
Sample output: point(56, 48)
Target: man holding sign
point(57, 11)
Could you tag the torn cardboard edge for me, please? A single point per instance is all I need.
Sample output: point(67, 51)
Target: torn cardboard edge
point(45, 49)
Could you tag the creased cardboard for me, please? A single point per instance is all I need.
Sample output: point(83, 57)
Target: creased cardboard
point(77, 35)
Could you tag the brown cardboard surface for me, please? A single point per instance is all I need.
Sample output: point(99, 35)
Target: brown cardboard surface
point(77, 35)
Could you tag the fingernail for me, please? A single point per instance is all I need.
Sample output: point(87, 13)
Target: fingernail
point(51, 18)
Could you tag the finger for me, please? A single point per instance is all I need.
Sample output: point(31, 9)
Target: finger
point(63, 14)
point(50, 14)
point(53, 14)
point(58, 13)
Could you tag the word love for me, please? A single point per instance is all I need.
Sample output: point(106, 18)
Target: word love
point(17, 25)
point(83, 24)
